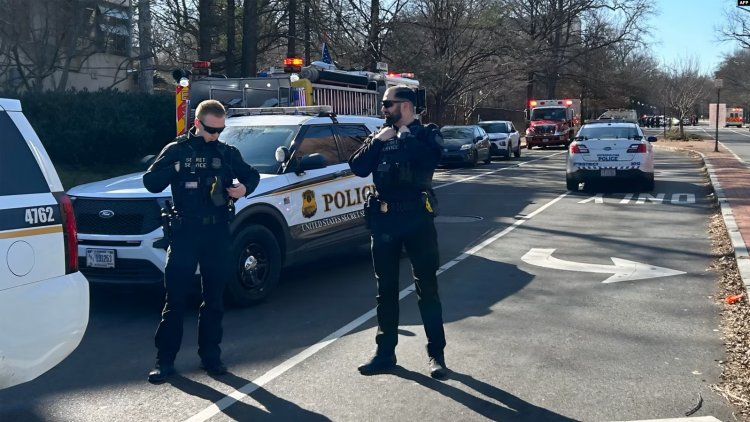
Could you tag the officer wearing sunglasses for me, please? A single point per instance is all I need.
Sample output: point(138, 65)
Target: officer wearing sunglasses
point(200, 170)
point(402, 158)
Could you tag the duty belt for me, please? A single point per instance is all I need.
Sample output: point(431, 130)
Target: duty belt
point(386, 207)
point(205, 220)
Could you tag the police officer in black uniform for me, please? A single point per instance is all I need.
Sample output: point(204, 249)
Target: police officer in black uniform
point(200, 170)
point(402, 157)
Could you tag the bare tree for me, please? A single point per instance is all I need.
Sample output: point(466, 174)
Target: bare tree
point(45, 42)
point(737, 26)
point(684, 87)
point(555, 33)
point(456, 54)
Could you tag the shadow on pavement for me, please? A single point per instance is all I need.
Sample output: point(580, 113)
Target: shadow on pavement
point(274, 407)
point(511, 408)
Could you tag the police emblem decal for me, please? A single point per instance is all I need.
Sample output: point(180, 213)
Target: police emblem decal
point(309, 207)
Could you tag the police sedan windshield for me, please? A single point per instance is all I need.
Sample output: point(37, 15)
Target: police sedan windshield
point(258, 144)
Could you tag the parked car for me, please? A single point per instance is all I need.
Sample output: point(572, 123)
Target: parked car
point(44, 299)
point(504, 138)
point(307, 204)
point(603, 151)
point(465, 145)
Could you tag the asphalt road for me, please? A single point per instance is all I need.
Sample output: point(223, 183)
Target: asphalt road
point(533, 331)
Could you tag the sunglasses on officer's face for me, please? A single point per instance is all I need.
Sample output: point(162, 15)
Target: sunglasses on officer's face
point(390, 103)
point(211, 129)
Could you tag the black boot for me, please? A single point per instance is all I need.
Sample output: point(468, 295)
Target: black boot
point(377, 364)
point(438, 370)
point(214, 368)
point(160, 373)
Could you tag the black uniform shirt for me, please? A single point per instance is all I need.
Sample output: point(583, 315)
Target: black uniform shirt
point(201, 165)
point(402, 167)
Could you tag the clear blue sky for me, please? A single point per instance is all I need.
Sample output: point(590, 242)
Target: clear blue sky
point(687, 28)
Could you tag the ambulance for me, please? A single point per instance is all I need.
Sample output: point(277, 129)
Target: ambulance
point(552, 122)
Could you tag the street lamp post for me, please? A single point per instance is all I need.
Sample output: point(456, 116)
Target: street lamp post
point(718, 83)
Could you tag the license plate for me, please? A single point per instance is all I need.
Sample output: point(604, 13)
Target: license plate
point(545, 140)
point(608, 172)
point(100, 258)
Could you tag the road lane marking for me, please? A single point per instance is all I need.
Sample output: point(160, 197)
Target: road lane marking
point(295, 360)
point(622, 270)
point(498, 170)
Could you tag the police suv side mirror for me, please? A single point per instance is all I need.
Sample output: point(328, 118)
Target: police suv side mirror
point(282, 155)
point(311, 162)
point(651, 139)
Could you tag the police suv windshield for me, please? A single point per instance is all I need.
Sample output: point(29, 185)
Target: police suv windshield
point(495, 127)
point(608, 132)
point(258, 144)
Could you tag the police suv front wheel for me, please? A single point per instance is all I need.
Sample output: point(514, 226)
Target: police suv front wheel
point(256, 266)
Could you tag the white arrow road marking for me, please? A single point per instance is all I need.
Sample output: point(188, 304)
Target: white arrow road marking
point(622, 269)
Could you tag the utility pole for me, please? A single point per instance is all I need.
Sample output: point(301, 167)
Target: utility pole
point(718, 83)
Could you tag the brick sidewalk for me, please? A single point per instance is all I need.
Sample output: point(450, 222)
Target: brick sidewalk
point(733, 177)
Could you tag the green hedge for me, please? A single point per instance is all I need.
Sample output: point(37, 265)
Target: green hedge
point(100, 128)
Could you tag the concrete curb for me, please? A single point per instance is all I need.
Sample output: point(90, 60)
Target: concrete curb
point(738, 243)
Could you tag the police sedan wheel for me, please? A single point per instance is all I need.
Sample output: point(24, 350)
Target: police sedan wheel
point(256, 266)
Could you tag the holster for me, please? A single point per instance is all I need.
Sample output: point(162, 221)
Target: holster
point(430, 202)
point(372, 204)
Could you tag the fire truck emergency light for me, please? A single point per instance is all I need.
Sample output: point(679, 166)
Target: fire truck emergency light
point(293, 64)
point(532, 103)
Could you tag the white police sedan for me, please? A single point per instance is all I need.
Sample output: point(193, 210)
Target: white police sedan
point(609, 150)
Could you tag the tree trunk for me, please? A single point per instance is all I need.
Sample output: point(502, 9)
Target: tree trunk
point(250, 39)
point(373, 48)
point(306, 17)
point(230, 64)
point(205, 28)
point(291, 37)
point(146, 74)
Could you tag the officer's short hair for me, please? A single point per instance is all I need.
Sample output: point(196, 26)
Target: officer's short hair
point(403, 92)
point(211, 107)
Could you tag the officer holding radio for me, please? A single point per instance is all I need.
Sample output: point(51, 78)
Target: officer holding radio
point(200, 170)
point(402, 158)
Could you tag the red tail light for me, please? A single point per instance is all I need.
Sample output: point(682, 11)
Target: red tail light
point(578, 149)
point(70, 233)
point(636, 148)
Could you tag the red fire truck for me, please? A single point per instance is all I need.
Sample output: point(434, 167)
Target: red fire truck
point(347, 92)
point(552, 122)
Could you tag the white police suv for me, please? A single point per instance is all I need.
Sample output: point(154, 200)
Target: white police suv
point(307, 203)
point(606, 150)
point(44, 299)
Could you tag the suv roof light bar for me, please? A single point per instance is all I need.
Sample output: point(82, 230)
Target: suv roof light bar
point(294, 111)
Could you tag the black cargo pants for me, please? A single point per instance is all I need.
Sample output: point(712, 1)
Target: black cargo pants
point(195, 243)
point(416, 232)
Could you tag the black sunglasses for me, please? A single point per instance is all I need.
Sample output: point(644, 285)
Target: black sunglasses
point(390, 103)
point(211, 129)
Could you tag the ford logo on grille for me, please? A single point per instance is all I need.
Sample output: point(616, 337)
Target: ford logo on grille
point(106, 213)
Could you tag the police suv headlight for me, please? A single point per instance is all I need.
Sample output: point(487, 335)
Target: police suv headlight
point(501, 143)
point(465, 147)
